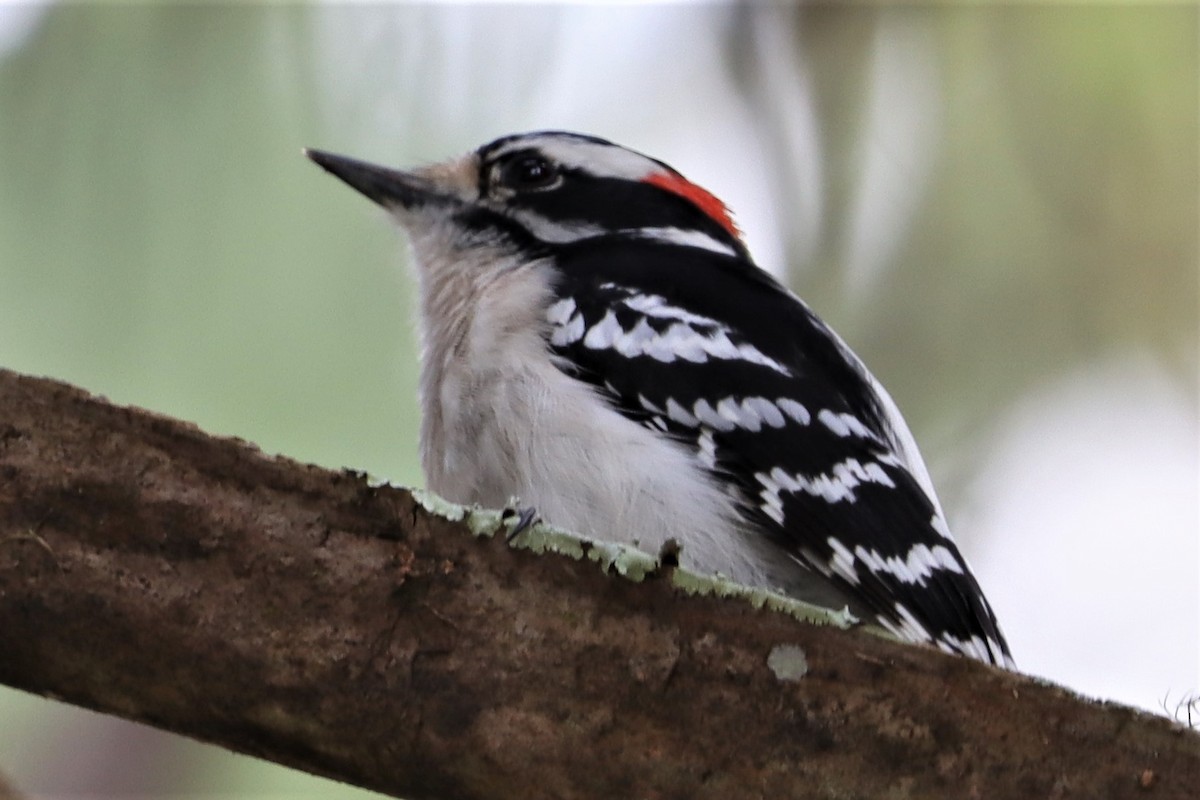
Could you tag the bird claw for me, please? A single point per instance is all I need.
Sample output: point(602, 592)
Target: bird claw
point(525, 519)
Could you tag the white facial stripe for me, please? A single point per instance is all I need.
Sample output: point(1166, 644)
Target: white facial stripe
point(566, 232)
point(601, 160)
point(684, 238)
point(554, 231)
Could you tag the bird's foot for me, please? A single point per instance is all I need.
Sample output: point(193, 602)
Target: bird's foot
point(525, 518)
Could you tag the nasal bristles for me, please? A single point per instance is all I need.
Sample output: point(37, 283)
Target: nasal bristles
point(700, 197)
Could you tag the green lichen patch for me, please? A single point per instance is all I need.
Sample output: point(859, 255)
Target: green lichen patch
point(439, 506)
point(721, 586)
point(629, 562)
point(787, 662)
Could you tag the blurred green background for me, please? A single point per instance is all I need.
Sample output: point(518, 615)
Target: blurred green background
point(996, 206)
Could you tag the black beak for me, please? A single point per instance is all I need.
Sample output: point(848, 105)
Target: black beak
point(387, 187)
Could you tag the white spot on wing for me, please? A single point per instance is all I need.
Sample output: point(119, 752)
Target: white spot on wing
point(794, 410)
point(844, 424)
point(772, 503)
point(603, 333)
point(636, 341)
point(558, 313)
point(653, 305)
point(896, 430)
point(648, 405)
point(985, 649)
point(566, 322)
point(975, 647)
point(709, 416)
point(765, 410)
point(907, 628)
point(939, 526)
point(692, 337)
point(838, 484)
point(731, 410)
point(683, 341)
point(749, 413)
point(842, 561)
point(680, 414)
point(916, 567)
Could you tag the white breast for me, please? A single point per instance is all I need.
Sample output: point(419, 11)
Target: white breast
point(500, 420)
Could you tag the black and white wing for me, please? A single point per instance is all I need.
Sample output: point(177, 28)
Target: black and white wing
point(710, 349)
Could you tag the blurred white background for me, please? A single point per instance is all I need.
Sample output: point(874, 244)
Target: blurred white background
point(997, 207)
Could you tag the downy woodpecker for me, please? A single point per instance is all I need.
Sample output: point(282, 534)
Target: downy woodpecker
point(597, 341)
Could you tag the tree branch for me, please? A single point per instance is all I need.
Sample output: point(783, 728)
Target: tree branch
point(7, 792)
point(304, 616)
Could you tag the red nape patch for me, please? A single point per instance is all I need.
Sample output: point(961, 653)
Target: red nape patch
point(703, 199)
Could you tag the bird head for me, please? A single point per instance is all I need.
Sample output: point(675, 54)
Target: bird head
point(535, 191)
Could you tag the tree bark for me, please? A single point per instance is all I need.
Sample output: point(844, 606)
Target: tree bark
point(308, 617)
point(7, 792)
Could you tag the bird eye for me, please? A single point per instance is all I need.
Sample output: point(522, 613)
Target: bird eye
point(527, 172)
